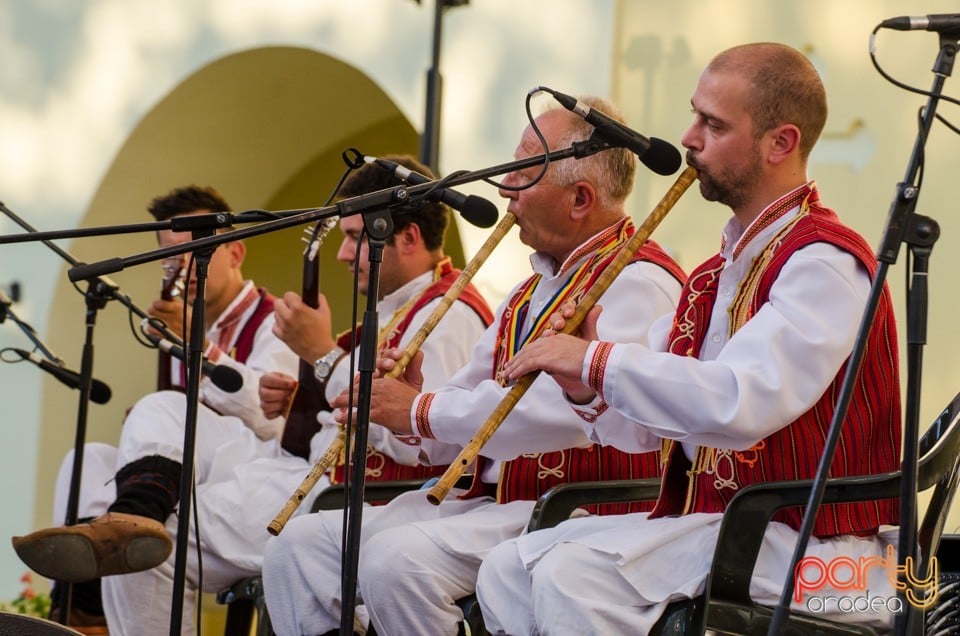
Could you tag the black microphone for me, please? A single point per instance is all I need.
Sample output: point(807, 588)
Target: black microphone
point(941, 23)
point(475, 210)
point(99, 392)
point(225, 378)
point(658, 155)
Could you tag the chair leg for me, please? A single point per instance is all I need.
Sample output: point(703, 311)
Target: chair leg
point(239, 618)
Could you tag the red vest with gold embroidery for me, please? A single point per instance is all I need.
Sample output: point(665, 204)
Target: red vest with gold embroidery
point(529, 476)
point(870, 441)
point(381, 467)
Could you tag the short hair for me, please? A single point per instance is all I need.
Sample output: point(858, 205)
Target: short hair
point(786, 89)
point(185, 200)
point(610, 171)
point(431, 217)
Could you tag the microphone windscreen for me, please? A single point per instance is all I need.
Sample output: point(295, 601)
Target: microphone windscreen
point(100, 393)
point(479, 211)
point(661, 157)
point(226, 378)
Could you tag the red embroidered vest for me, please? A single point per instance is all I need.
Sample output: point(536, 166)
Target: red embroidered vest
point(529, 476)
point(242, 348)
point(381, 467)
point(870, 441)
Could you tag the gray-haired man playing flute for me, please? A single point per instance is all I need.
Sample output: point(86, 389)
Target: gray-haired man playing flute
point(417, 558)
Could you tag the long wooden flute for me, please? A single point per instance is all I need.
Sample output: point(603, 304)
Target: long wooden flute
point(446, 301)
point(469, 454)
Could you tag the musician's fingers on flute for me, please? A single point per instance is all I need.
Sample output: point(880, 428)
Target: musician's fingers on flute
point(390, 404)
point(411, 373)
point(275, 390)
point(561, 356)
point(558, 319)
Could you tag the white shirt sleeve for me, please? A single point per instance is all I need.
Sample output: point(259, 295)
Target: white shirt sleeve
point(772, 370)
point(268, 353)
point(542, 420)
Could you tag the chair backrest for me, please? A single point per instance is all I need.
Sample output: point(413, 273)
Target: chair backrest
point(748, 513)
point(939, 468)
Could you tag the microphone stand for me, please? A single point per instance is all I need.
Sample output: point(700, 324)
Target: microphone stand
point(378, 225)
point(203, 225)
point(920, 233)
point(7, 312)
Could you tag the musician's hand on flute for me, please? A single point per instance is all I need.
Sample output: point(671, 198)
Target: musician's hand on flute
point(390, 404)
point(276, 391)
point(558, 354)
point(307, 331)
point(412, 373)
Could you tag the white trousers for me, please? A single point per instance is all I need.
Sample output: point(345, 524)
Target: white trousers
point(616, 574)
point(416, 560)
point(241, 481)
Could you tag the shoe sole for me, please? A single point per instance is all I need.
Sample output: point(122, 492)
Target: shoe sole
point(72, 559)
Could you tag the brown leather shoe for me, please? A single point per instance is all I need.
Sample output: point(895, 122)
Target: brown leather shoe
point(115, 543)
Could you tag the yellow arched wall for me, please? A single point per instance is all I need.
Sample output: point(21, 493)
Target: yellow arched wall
point(266, 127)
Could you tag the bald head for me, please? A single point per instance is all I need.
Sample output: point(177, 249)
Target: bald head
point(786, 88)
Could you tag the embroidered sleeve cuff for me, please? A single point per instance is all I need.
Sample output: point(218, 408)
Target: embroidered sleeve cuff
point(590, 412)
point(421, 412)
point(595, 365)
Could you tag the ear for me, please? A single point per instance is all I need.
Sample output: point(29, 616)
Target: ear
point(408, 238)
point(784, 142)
point(584, 200)
point(238, 251)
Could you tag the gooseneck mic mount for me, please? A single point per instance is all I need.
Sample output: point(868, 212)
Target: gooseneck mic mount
point(919, 233)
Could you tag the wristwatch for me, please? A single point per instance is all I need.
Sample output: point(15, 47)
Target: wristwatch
point(324, 365)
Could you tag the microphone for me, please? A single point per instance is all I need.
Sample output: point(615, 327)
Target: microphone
point(656, 154)
point(475, 210)
point(99, 392)
point(223, 377)
point(941, 23)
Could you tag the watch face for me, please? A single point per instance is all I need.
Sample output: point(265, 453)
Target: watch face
point(321, 369)
point(323, 366)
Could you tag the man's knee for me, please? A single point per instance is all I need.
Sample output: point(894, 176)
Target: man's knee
point(394, 557)
point(501, 563)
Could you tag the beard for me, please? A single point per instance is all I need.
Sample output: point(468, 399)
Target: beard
point(729, 185)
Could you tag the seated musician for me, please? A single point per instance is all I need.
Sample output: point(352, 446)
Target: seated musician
point(128, 493)
point(739, 387)
point(417, 558)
